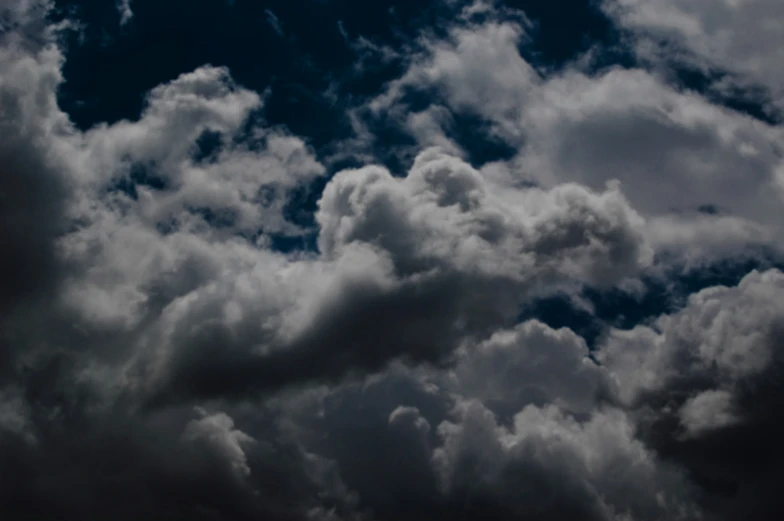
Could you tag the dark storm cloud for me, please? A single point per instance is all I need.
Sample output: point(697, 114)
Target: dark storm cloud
point(30, 188)
point(448, 455)
point(706, 383)
point(176, 464)
point(31, 185)
point(70, 446)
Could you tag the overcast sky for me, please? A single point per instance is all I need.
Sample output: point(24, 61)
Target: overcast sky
point(342, 260)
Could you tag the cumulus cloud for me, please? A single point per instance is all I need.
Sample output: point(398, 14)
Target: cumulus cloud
point(478, 68)
point(161, 359)
point(673, 151)
point(676, 421)
point(454, 449)
point(447, 213)
point(531, 364)
point(705, 387)
point(218, 433)
point(562, 468)
point(413, 267)
point(727, 332)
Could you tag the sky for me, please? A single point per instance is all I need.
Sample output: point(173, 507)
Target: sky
point(340, 260)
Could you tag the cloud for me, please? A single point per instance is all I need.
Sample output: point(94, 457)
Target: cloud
point(687, 408)
point(725, 332)
point(706, 411)
point(124, 9)
point(413, 267)
point(89, 265)
point(31, 184)
point(531, 364)
point(545, 442)
point(160, 359)
point(478, 68)
point(549, 466)
point(743, 38)
point(703, 381)
point(274, 22)
point(443, 199)
point(169, 465)
point(673, 151)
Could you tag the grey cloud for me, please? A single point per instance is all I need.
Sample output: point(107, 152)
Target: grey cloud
point(673, 151)
point(125, 11)
point(410, 268)
point(31, 184)
point(452, 450)
point(446, 212)
point(217, 431)
point(707, 411)
point(162, 362)
point(81, 279)
point(478, 68)
point(247, 184)
point(164, 466)
point(728, 333)
point(668, 149)
point(741, 37)
point(532, 364)
point(562, 468)
point(705, 385)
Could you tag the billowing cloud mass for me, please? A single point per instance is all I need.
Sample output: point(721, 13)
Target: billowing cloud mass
point(673, 151)
point(166, 354)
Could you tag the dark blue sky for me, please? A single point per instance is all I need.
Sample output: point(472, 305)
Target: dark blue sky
point(110, 66)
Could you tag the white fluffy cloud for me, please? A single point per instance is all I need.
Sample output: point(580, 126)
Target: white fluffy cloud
point(478, 68)
point(445, 213)
point(675, 153)
point(743, 37)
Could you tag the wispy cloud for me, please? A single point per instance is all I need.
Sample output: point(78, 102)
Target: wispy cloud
point(274, 21)
point(124, 8)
